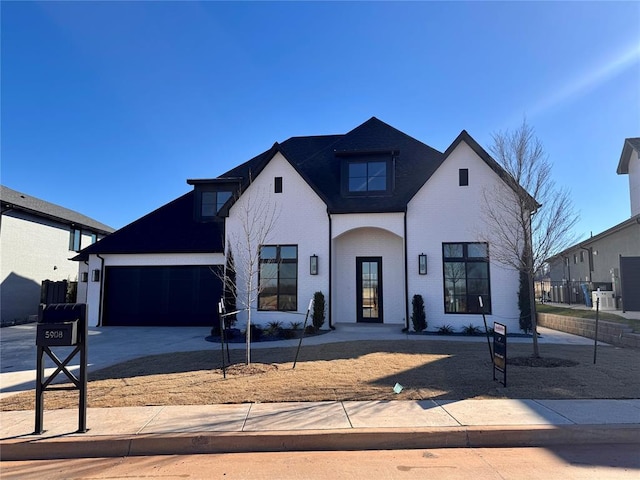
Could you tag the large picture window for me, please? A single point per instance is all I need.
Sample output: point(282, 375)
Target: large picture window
point(466, 277)
point(278, 278)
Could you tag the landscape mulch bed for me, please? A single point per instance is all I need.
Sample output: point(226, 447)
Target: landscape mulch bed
point(363, 370)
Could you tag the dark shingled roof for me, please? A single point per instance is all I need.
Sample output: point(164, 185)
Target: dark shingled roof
point(318, 159)
point(169, 229)
point(14, 200)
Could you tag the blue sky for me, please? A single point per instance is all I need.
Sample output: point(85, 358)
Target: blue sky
point(108, 107)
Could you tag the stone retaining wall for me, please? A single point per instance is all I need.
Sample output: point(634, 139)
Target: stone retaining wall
point(608, 332)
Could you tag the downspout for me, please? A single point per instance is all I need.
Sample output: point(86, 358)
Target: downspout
point(406, 277)
point(331, 327)
point(590, 259)
point(100, 300)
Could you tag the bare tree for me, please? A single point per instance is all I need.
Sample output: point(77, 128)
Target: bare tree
point(533, 219)
point(255, 219)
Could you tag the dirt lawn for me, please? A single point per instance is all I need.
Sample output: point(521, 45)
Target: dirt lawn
point(363, 370)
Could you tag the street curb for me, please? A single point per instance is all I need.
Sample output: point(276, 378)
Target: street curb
point(84, 446)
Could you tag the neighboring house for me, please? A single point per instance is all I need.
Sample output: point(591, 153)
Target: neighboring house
point(609, 261)
point(37, 241)
point(370, 218)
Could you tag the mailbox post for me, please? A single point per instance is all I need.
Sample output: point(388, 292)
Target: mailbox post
point(62, 325)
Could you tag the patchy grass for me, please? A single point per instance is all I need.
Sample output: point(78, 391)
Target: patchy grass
point(363, 370)
point(582, 313)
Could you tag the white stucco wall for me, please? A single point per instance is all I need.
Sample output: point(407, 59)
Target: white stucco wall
point(301, 219)
point(634, 183)
point(443, 211)
point(32, 250)
point(92, 290)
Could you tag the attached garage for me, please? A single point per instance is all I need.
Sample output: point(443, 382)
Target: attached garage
point(185, 295)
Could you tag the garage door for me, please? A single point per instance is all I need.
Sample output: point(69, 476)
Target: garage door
point(162, 296)
point(630, 281)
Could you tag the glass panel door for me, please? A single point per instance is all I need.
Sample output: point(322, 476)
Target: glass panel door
point(369, 285)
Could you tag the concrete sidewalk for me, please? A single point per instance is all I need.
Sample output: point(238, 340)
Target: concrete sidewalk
point(318, 426)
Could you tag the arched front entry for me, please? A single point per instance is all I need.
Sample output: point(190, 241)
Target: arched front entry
point(368, 277)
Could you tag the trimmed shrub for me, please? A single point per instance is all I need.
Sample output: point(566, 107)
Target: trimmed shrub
point(418, 317)
point(319, 308)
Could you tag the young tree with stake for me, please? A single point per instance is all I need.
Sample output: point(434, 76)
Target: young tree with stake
point(532, 220)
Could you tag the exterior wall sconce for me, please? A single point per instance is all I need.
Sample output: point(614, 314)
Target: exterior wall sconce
point(313, 264)
point(95, 275)
point(422, 264)
point(84, 278)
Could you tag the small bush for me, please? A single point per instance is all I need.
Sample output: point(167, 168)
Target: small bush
point(310, 330)
point(418, 317)
point(256, 333)
point(471, 329)
point(319, 308)
point(274, 328)
point(295, 325)
point(445, 330)
point(288, 333)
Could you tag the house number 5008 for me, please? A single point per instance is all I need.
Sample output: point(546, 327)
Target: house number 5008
point(53, 334)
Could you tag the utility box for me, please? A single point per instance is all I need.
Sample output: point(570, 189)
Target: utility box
point(57, 334)
point(607, 300)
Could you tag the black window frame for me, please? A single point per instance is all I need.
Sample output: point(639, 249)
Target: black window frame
point(217, 204)
point(281, 303)
point(75, 239)
point(463, 177)
point(470, 296)
point(277, 185)
point(367, 160)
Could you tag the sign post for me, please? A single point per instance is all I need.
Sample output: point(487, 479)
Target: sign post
point(486, 329)
point(500, 351)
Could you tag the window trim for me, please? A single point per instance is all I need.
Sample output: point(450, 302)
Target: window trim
point(199, 194)
point(466, 259)
point(277, 184)
point(278, 261)
point(388, 158)
point(463, 177)
point(75, 239)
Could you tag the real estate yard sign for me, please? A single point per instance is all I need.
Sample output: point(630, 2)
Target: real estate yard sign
point(500, 351)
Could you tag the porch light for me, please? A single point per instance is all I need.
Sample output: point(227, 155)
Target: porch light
point(313, 264)
point(422, 264)
point(95, 275)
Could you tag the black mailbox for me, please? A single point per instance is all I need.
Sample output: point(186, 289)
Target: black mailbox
point(62, 325)
point(57, 334)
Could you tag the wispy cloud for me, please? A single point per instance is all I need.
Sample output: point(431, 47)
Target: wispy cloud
point(588, 81)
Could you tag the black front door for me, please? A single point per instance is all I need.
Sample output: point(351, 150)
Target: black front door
point(369, 289)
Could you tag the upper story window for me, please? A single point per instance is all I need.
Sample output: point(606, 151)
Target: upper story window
point(463, 177)
point(75, 239)
point(367, 177)
point(210, 203)
point(367, 173)
point(277, 185)
point(94, 238)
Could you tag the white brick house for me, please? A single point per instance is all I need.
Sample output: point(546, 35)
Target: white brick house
point(37, 241)
point(367, 205)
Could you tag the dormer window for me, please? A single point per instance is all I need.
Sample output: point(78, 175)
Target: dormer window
point(367, 173)
point(211, 195)
point(212, 202)
point(367, 177)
